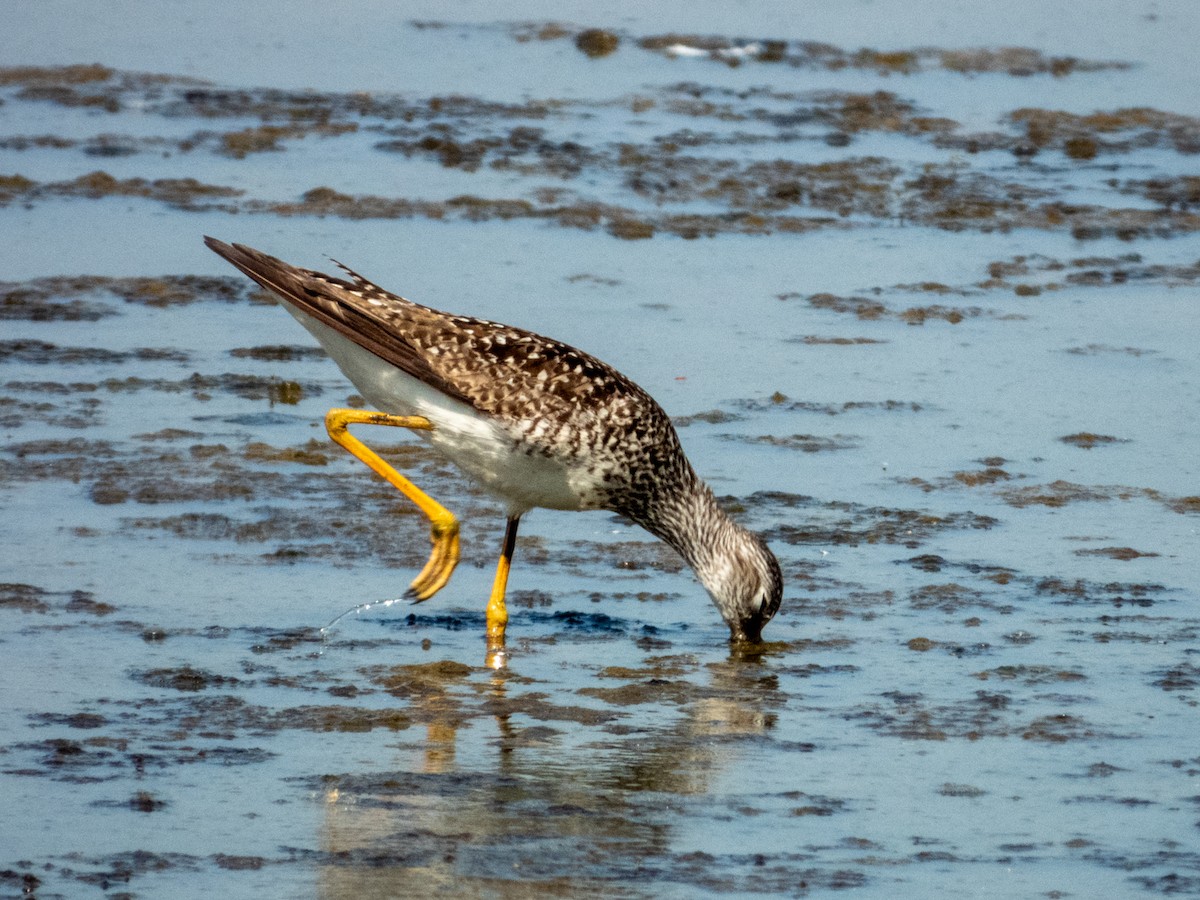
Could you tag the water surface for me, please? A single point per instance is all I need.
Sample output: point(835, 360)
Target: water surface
point(922, 304)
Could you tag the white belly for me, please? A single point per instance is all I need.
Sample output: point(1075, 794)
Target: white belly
point(476, 444)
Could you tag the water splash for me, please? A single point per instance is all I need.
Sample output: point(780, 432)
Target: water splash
point(358, 610)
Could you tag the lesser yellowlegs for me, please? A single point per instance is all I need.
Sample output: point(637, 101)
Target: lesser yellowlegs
point(536, 422)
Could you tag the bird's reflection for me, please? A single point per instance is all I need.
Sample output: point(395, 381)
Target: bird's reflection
point(543, 811)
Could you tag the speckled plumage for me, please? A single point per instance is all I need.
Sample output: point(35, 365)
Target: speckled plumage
point(536, 421)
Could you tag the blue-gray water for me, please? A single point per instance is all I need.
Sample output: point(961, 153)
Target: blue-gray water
point(927, 317)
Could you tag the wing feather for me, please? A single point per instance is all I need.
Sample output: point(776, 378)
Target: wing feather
point(335, 303)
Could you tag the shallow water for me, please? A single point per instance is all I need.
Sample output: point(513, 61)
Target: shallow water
point(941, 355)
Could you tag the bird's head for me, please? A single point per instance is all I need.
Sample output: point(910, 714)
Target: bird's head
point(745, 582)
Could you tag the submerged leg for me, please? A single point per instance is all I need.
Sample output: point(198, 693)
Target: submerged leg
point(443, 527)
point(497, 612)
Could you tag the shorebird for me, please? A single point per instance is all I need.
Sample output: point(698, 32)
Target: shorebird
point(534, 421)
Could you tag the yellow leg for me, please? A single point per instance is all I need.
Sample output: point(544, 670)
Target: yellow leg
point(497, 612)
point(443, 526)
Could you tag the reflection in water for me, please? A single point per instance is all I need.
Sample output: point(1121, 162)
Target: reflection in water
point(535, 809)
point(496, 656)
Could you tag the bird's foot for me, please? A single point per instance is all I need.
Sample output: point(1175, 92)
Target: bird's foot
point(443, 533)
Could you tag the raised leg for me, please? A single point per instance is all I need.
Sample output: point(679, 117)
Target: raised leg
point(497, 611)
point(443, 527)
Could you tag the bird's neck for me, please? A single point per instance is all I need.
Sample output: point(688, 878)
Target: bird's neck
point(700, 531)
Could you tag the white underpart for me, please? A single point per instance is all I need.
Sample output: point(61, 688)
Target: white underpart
point(476, 444)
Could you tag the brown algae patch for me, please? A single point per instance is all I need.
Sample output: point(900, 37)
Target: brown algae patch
point(1025, 276)
point(83, 85)
point(1086, 440)
point(1185, 504)
point(950, 789)
point(24, 598)
point(708, 417)
point(1121, 130)
point(989, 475)
point(817, 340)
point(266, 138)
point(987, 713)
point(654, 690)
point(780, 402)
point(596, 42)
point(279, 353)
point(808, 443)
point(420, 679)
point(1060, 493)
point(1183, 677)
point(870, 309)
point(1182, 192)
point(993, 472)
point(1121, 553)
point(184, 678)
point(29, 76)
point(313, 453)
point(169, 434)
point(761, 197)
point(1031, 674)
point(1016, 61)
point(28, 598)
point(340, 523)
point(953, 598)
point(17, 305)
point(87, 298)
point(83, 400)
point(178, 193)
point(840, 522)
point(43, 353)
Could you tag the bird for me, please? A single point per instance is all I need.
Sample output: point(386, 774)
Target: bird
point(536, 422)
